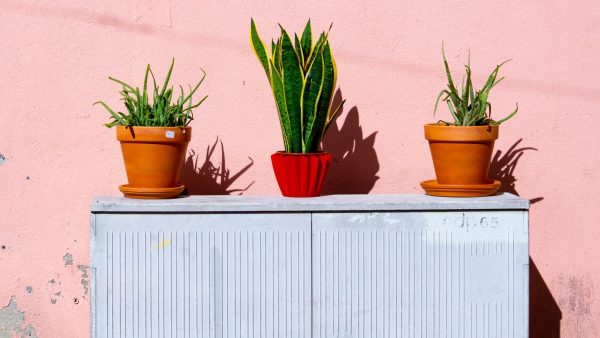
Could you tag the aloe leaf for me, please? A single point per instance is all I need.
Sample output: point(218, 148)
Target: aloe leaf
point(259, 48)
point(456, 119)
point(292, 84)
point(189, 96)
point(448, 74)
point(125, 85)
point(496, 82)
point(509, 116)
point(310, 100)
point(437, 100)
point(306, 40)
point(112, 113)
point(166, 83)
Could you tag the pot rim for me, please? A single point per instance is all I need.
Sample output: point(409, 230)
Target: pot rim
point(319, 153)
point(153, 134)
point(450, 133)
point(153, 127)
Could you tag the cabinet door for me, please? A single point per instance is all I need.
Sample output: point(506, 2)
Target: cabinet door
point(420, 274)
point(201, 275)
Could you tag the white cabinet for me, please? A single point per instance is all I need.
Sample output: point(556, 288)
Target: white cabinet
point(334, 266)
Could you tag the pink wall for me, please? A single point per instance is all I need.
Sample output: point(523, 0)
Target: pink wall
point(56, 56)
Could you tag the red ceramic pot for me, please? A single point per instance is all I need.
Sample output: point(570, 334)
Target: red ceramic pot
point(300, 175)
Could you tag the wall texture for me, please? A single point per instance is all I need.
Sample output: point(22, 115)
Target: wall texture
point(56, 56)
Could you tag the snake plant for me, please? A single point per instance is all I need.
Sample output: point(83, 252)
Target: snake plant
point(161, 112)
point(470, 107)
point(302, 77)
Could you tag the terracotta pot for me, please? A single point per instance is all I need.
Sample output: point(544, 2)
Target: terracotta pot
point(461, 155)
point(153, 156)
point(300, 175)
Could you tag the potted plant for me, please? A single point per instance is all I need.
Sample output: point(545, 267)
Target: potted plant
point(462, 149)
point(303, 79)
point(154, 135)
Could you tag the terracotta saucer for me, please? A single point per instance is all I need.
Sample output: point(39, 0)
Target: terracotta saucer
point(433, 188)
point(151, 193)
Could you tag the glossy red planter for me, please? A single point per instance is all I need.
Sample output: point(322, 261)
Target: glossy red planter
point(300, 175)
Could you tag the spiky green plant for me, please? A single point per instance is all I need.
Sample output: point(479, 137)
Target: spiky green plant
point(302, 77)
point(158, 113)
point(470, 107)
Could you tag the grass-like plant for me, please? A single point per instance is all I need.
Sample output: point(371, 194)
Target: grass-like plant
point(158, 112)
point(470, 107)
point(302, 77)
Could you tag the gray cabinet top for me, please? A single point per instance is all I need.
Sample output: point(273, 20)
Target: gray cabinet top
point(210, 204)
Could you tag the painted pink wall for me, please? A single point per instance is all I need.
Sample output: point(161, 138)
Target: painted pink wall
point(56, 56)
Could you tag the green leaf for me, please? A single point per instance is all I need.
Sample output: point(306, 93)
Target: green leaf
point(114, 115)
point(259, 48)
point(311, 94)
point(437, 100)
point(292, 84)
point(456, 119)
point(306, 40)
point(284, 117)
point(509, 116)
point(168, 76)
point(318, 48)
point(298, 49)
point(334, 115)
point(324, 116)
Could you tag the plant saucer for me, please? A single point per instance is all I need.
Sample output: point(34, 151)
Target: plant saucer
point(433, 188)
point(151, 193)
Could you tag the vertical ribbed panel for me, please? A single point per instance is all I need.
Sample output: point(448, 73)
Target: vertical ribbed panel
point(437, 274)
point(201, 276)
point(329, 275)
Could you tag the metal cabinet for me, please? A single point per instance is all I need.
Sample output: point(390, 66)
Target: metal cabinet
point(333, 266)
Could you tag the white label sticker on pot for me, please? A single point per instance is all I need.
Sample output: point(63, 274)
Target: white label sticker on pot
point(170, 134)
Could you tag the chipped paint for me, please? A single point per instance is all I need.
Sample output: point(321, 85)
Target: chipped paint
point(12, 322)
point(68, 259)
point(3, 159)
point(54, 289)
point(576, 298)
point(29, 289)
point(55, 298)
point(85, 279)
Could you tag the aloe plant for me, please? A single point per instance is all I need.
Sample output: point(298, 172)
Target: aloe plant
point(158, 112)
point(470, 107)
point(303, 78)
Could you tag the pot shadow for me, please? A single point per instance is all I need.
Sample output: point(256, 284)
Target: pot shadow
point(544, 313)
point(355, 165)
point(209, 178)
point(502, 168)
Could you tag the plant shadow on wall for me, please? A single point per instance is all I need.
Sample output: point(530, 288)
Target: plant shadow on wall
point(355, 164)
point(544, 313)
point(210, 177)
point(502, 168)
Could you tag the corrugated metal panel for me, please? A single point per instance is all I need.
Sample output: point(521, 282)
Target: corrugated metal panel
point(323, 275)
point(443, 274)
point(201, 276)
